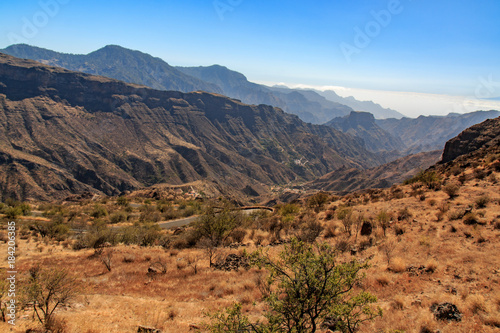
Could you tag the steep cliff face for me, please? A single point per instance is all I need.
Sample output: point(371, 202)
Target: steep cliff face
point(363, 125)
point(64, 132)
point(480, 136)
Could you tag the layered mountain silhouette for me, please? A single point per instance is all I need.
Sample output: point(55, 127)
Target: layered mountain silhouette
point(363, 125)
point(118, 63)
point(140, 68)
point(427, 133)
point(308, 105)
point(368, 106)
point(65, 132)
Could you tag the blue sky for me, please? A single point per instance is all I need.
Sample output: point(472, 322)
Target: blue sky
point(425, 46)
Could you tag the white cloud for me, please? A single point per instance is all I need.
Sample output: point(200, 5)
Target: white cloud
point(411, 104)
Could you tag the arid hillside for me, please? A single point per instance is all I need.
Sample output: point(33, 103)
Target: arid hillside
point(431, 245)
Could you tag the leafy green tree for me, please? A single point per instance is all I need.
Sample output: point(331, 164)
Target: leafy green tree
point(318, 200)
point(305, 287)
point(216, 224)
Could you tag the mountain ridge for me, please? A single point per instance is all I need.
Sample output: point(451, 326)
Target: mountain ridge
point(65, 132)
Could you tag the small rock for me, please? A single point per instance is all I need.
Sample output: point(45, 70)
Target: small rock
point(145, 329)
point(366, 229)
point(153, 270)
point(446, 311)
point(194, 327)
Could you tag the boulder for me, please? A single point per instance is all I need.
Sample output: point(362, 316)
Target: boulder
point(366, 228)
point(446, 311)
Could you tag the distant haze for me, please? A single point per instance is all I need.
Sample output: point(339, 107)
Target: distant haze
point(411, 104)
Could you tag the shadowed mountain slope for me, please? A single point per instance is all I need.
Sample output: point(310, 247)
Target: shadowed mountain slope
point(63, 132)
point(482, 136)
point(347, 180)
point(308, 105)
point(362, 125)
point(427, 133)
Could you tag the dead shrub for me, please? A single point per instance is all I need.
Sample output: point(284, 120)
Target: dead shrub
point(452, 190)
point(482, 201)
point(330, 232)
point(431, 265)
point(397, 265)
point(470, 219)
point(128, 258)
point(479, 174)
point(477, 304)
point(237, 235)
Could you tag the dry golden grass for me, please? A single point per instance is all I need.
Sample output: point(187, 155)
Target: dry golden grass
point(453, 262)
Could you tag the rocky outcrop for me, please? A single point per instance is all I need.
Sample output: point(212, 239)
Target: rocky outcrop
point(480, 136)
point(64, 132)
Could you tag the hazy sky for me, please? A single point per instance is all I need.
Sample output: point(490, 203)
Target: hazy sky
point(447, 47)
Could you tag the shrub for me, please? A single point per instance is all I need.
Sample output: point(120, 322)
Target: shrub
point(479, 173)
point(54, 229)
point(289, 209)
point(46, 290)
point(470, 219)
point(430, 179)
point(98, 236)
point(384, 219)
point(12, 212)
point(346, 216)
point(238, 234)
point(99, 211)
point(404, 214)
point(305, 286)
point(318, 200)
point(310, 231)
point(118, 217)
point(482, 201)
point(451, 190)
point(122, 201)
point(217, 226)
point(456, 214)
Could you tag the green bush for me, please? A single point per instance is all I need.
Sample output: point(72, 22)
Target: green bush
point(118, 217)
point(318, 200)
point(12, 212)
point(218, 225)
point(429, 178)
point(306, 286)
point(99, 211)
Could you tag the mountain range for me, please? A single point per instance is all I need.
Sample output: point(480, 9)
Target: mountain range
point(427, 133)
point(136, 67)
point(64, 132)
